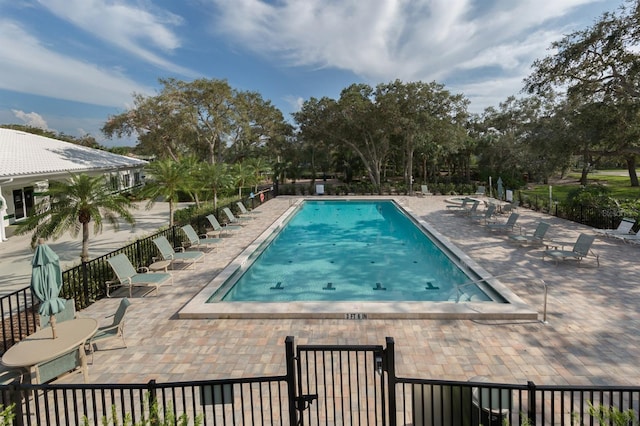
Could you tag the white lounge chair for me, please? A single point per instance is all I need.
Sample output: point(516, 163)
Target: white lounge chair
point(624, 228)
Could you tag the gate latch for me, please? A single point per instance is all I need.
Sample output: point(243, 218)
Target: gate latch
point(304, 401)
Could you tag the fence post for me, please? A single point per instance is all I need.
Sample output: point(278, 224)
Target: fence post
point(291, 378)
point(531, 409)
point(153, 402)
point(85, 284)
point(390, 367)
point(16, 395)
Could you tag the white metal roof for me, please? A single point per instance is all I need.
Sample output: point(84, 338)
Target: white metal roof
point(25, 154)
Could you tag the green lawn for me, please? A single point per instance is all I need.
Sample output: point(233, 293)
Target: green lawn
point(616, 180)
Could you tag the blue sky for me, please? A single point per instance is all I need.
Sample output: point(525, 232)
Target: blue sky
point(66, 65)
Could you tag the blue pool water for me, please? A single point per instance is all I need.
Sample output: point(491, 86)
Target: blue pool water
point(351, 251)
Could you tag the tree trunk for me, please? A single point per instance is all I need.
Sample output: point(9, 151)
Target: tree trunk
point(84, 256)
point(585, 174)
point(170, 212)
point(631, 167)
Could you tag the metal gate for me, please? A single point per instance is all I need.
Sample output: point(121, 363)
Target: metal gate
point(341, 384)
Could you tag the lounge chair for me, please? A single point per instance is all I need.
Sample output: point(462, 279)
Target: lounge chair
point(68, 313)
point(244, 211)
point(424, 190)
point(481, 191)
point(127, 276)
point(232, 219)
point(486, 215)
point(196, 241)
point(168, 253)
point(507, 226)
point(537, 238)
point(510, 207)
point(464, 205)
point(469, 211)
point(581, 249)
point(624, 228)
point(631, 238)
point(114, 330)
point(219, 228)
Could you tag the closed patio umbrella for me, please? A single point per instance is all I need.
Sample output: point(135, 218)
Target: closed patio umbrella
point(46, 282)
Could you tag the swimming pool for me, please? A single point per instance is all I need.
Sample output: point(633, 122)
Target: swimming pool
point(391, 303)
point(357, 250)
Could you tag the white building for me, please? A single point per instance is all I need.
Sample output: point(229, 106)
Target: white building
point(28, 162)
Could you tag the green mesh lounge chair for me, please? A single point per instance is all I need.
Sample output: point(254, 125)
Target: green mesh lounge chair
point(244, 211)
point(537, 238)
point(462, 206)
point(113, 331)
point(485, 216)
point(581, 249)
point(469, 211)
point(232, 219)
point(168, 253)
point(219, 228)
point(127, 276)
point(504, 227)
point(196, 241)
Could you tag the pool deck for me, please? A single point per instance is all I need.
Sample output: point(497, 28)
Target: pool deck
point(591, 336)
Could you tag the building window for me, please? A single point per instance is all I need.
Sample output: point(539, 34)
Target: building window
point(126, 181)
point(113, 181)
point(136, 178)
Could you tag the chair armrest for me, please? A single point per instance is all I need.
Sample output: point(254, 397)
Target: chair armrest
point(179, 249)
point(143, 269)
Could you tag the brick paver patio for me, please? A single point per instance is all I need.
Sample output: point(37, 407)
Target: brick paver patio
point(591, 336)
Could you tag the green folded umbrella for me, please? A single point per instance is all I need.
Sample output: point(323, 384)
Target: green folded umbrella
point(46, 282)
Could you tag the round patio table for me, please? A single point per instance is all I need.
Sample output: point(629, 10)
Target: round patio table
point(41, 353)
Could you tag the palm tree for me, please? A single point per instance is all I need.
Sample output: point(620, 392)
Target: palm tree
point(166, 179)
point(215, 178)
point(71, 205)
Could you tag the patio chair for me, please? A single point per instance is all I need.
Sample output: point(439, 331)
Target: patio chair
point(484, 217)
point(624, 228)
point(537, 238)
point(232, 219)
point(581, 249)
point(219, 228)
point(196, 240)
point(114, 330)
point(631, 238)
point(507, 226)
point(245, 211)
point(128, 277)
point(67, 314)
point(169, 253)
point(481, 191)
point(462, 206)
point(469, 211)
point(424, 190)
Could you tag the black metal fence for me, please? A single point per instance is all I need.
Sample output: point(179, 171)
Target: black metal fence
point(85, 283)
point(322, 385)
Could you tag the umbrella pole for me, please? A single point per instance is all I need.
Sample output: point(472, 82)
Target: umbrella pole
point(52, 321)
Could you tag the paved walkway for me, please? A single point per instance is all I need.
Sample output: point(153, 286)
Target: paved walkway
point(591, 336)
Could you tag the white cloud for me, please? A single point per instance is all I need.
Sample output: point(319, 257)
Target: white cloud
point(132, 29)
point(295, 102)
point(381, 40)
point(27, 66)
point(32, 119)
